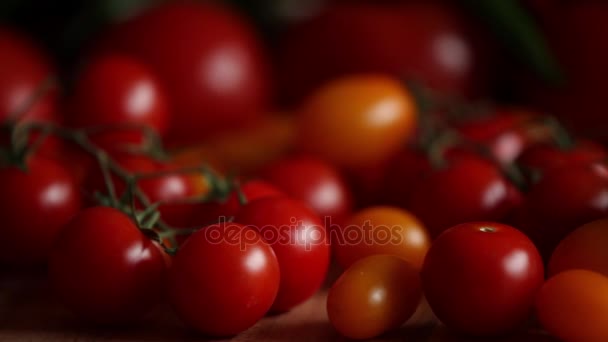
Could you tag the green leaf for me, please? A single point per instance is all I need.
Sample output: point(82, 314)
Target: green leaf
point(517, 29)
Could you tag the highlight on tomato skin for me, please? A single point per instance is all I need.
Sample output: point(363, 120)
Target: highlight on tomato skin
point(373, 296)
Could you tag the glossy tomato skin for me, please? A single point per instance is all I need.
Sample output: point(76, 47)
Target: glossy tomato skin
point(542, 157)
point(357, 311)
point(115, 90)
point(481, 278)
point(317, 183)
point(209, 60)
point(426, 42)
point(34, 206)
point(219, 287)
point(251, 190)
point(299, 239)
point(584, 248)
point(466, 190)
point(381, 230)
point(105, 270)
point(169, 188)
point(357, 120)
point(507, 133)
point(573, 305)
point(24, 68)
point(562, 200)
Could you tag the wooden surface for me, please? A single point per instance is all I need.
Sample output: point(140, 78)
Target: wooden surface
point(28, 312)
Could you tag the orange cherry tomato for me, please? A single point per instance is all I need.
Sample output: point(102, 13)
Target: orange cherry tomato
point(585, 248)
point(381, 230)
point(373, 296)
point(573, 306)
point(357, 120)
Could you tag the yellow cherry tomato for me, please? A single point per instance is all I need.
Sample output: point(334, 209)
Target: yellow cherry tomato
point(381, 230)
point(375, 295)
point(357, 120)
point(573, 306)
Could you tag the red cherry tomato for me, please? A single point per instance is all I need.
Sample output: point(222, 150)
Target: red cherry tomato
point(430, 43)
point(376, 294)
point(34, 206)
point(115, 90)
point(584, 248)
point(540, 158)
point(24, 68)
point(251, 190)
point(469, 189)
point(481, 278)
point(300, 242)
point(563, 199)
point(506, 134)
point(23, 71)
point(209, 59)
point(223, 279)
point(168, 188)
point(104, 269)
point(313, 181)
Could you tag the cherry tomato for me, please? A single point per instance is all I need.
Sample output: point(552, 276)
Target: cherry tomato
point(376, 294)
point(481, 278)
point(300, 242)
point(507, 133)
point(118, 90)
point(541, 157)
point(209, 59)
point(23, 70)
point(357, 120)
point(251, 191)
point(104, 269)
point(469, 189)
point(168, 189)
point(584, 248)
point(381, 230)
point(427, 42)
point(313, 181)
point(223, 279)
point(562, 200)
point(34, 206)
point(573, 306)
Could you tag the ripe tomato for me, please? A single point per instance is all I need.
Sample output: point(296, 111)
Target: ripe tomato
point(357, 120)
point(209, 59)
point(573, 306)
point(251, 190)
point(34, 207)
point(468, 189)
point(428, 42)
point(381, 230)
point(375, 295)
point(300, 242)
point(584, 248)
point(481, 278)
point(115, 90)
point(313, 181)
point(562, 200)
point(104, 269)
point(168, 188)
point(506, 134)
point(541, 157)
point(223, 279)
point(23, 69)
